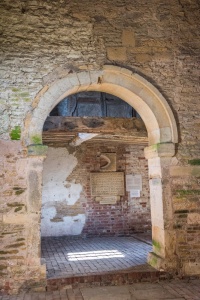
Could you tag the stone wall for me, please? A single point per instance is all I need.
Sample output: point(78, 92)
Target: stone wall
point(20, 265)
point(42, 41)
point(70, 209)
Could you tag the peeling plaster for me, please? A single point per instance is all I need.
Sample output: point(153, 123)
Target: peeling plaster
point(68, 226)
point(58, 165)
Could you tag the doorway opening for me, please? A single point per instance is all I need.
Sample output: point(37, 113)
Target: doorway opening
point(162, 136)
point(96, 203)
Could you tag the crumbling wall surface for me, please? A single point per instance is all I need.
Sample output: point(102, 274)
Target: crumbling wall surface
point(69, 208)
point(42, 41)
point(59, 195)
point(20, 265)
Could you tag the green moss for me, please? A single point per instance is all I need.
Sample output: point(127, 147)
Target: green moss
point(153, 261)
point(24, 94)
point(20, 239)
point(16, 245)
point(37, 150)
point(194, 162)
point(15, 90)
point(155, 146)
point(2, 267)
point(187, 192)
point(27, 99)
point(15, 133)
point(36, 139)
point(156, 244)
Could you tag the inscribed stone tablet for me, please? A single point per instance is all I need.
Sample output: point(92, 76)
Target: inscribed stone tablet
point(133, 182)
point(107, 199)
point(134, 193)
point(107, 184)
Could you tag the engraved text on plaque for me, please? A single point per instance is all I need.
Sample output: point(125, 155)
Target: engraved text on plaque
point(107, 184)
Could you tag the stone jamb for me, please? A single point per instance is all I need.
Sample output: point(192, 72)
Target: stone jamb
point(157, 116)
point(163, 235)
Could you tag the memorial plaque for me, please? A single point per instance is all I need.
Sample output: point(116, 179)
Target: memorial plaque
point(134, 193)
point(133, 182)
point(107, 184)
point(107, 199)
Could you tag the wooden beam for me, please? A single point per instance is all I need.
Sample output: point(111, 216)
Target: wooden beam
point(132, 126)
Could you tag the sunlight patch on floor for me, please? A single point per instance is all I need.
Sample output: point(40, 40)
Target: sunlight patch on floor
point(90, 255)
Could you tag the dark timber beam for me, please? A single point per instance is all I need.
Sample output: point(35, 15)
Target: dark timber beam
point(133, 126)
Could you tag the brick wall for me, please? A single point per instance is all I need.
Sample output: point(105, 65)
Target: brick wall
point(129, 214)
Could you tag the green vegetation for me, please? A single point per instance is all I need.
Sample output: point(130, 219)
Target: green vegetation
point(15, 133)
point(24, 94)
point(156, 244)
point(36, 139)
point(153, 261)
point(182, 193)
point(194, 162)
point(15, 90)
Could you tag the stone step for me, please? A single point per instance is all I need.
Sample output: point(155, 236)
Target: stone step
point(104, 279)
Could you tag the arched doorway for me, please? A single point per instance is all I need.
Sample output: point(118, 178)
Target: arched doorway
point(162, 136)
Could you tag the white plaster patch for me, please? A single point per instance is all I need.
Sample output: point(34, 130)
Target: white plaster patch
point(70, 225)
point(58, 165)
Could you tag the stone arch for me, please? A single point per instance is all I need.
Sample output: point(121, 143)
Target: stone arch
point(162, 134)
point(129, 86)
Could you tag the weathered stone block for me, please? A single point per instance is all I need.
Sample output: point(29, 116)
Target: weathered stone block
point(184, 171)
point(193, 218)
point(128, 38)
point(117, 53)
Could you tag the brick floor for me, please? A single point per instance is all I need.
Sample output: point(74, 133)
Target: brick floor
point(164, 290)
point(68, 257)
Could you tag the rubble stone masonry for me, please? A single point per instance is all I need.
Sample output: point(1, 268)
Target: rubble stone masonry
point(43, 41)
